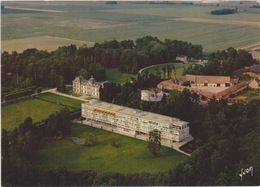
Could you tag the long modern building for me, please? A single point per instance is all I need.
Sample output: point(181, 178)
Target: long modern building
point(135, 122)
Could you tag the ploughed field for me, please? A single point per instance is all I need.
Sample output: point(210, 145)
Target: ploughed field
point(98, 22)
point(131, 156)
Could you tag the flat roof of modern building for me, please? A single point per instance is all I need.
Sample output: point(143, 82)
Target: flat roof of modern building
point(137, 113)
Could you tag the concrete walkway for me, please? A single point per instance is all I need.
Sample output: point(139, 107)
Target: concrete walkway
point(53, 90)
point(157, 65)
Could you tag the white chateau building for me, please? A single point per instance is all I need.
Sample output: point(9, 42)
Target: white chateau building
point(135, 122)
point(87, 87)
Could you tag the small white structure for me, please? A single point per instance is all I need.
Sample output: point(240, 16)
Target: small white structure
point(86, 87)
point(153, 95)
point(182, 58)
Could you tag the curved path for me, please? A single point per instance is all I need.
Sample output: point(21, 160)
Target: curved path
point(157, 65)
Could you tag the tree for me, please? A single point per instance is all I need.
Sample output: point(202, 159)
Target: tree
point(84, 73)
point(39, 90)
point(60, 84)
point(90, 139)
point(164, 72)
point(25, 126)
point(154, 145)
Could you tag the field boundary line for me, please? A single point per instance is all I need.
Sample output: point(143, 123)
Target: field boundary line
point(218, 21)
point(33, 9)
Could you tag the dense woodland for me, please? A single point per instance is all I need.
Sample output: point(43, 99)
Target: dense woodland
point(226, 137)
point(224, 62)
point(42, 68)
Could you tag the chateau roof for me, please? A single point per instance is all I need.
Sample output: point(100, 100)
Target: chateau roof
point(83, 81)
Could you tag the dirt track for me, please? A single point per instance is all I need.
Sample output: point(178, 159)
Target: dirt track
point(219, 21)
point(252, 46)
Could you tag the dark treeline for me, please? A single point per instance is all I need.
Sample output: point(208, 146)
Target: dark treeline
point(19, 146)
point(228, 135)
point(42, 68)
point(223, 11)
point(223, 63)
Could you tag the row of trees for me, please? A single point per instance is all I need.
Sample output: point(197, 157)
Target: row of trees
point(18, 93)
point(40, 68)
point(224, 63)
point(19, 146)
point(223, 11)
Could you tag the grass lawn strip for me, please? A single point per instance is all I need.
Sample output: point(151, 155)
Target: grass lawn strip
point(131, 157)
point(179, 67)
point(61, 100)
point(114, 75)
point(13, 114)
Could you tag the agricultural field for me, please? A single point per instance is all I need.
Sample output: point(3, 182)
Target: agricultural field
point(98, 22)
point(130, 157)
point(48, 43)
point(14, 113)
point(253, 48)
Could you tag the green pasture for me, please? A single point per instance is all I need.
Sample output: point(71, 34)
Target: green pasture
point(13, 114)
point(98, 22)
point(61, 100)
point(114, 75)
point(179, 67)
point(131, 157)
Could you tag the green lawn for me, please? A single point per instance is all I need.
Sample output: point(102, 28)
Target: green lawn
point(61, 100)
point(13, 114)
point(114, 75)
point(131, 157)
point(179, 69)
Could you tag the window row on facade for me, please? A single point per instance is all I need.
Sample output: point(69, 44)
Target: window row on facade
point(136, 122)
